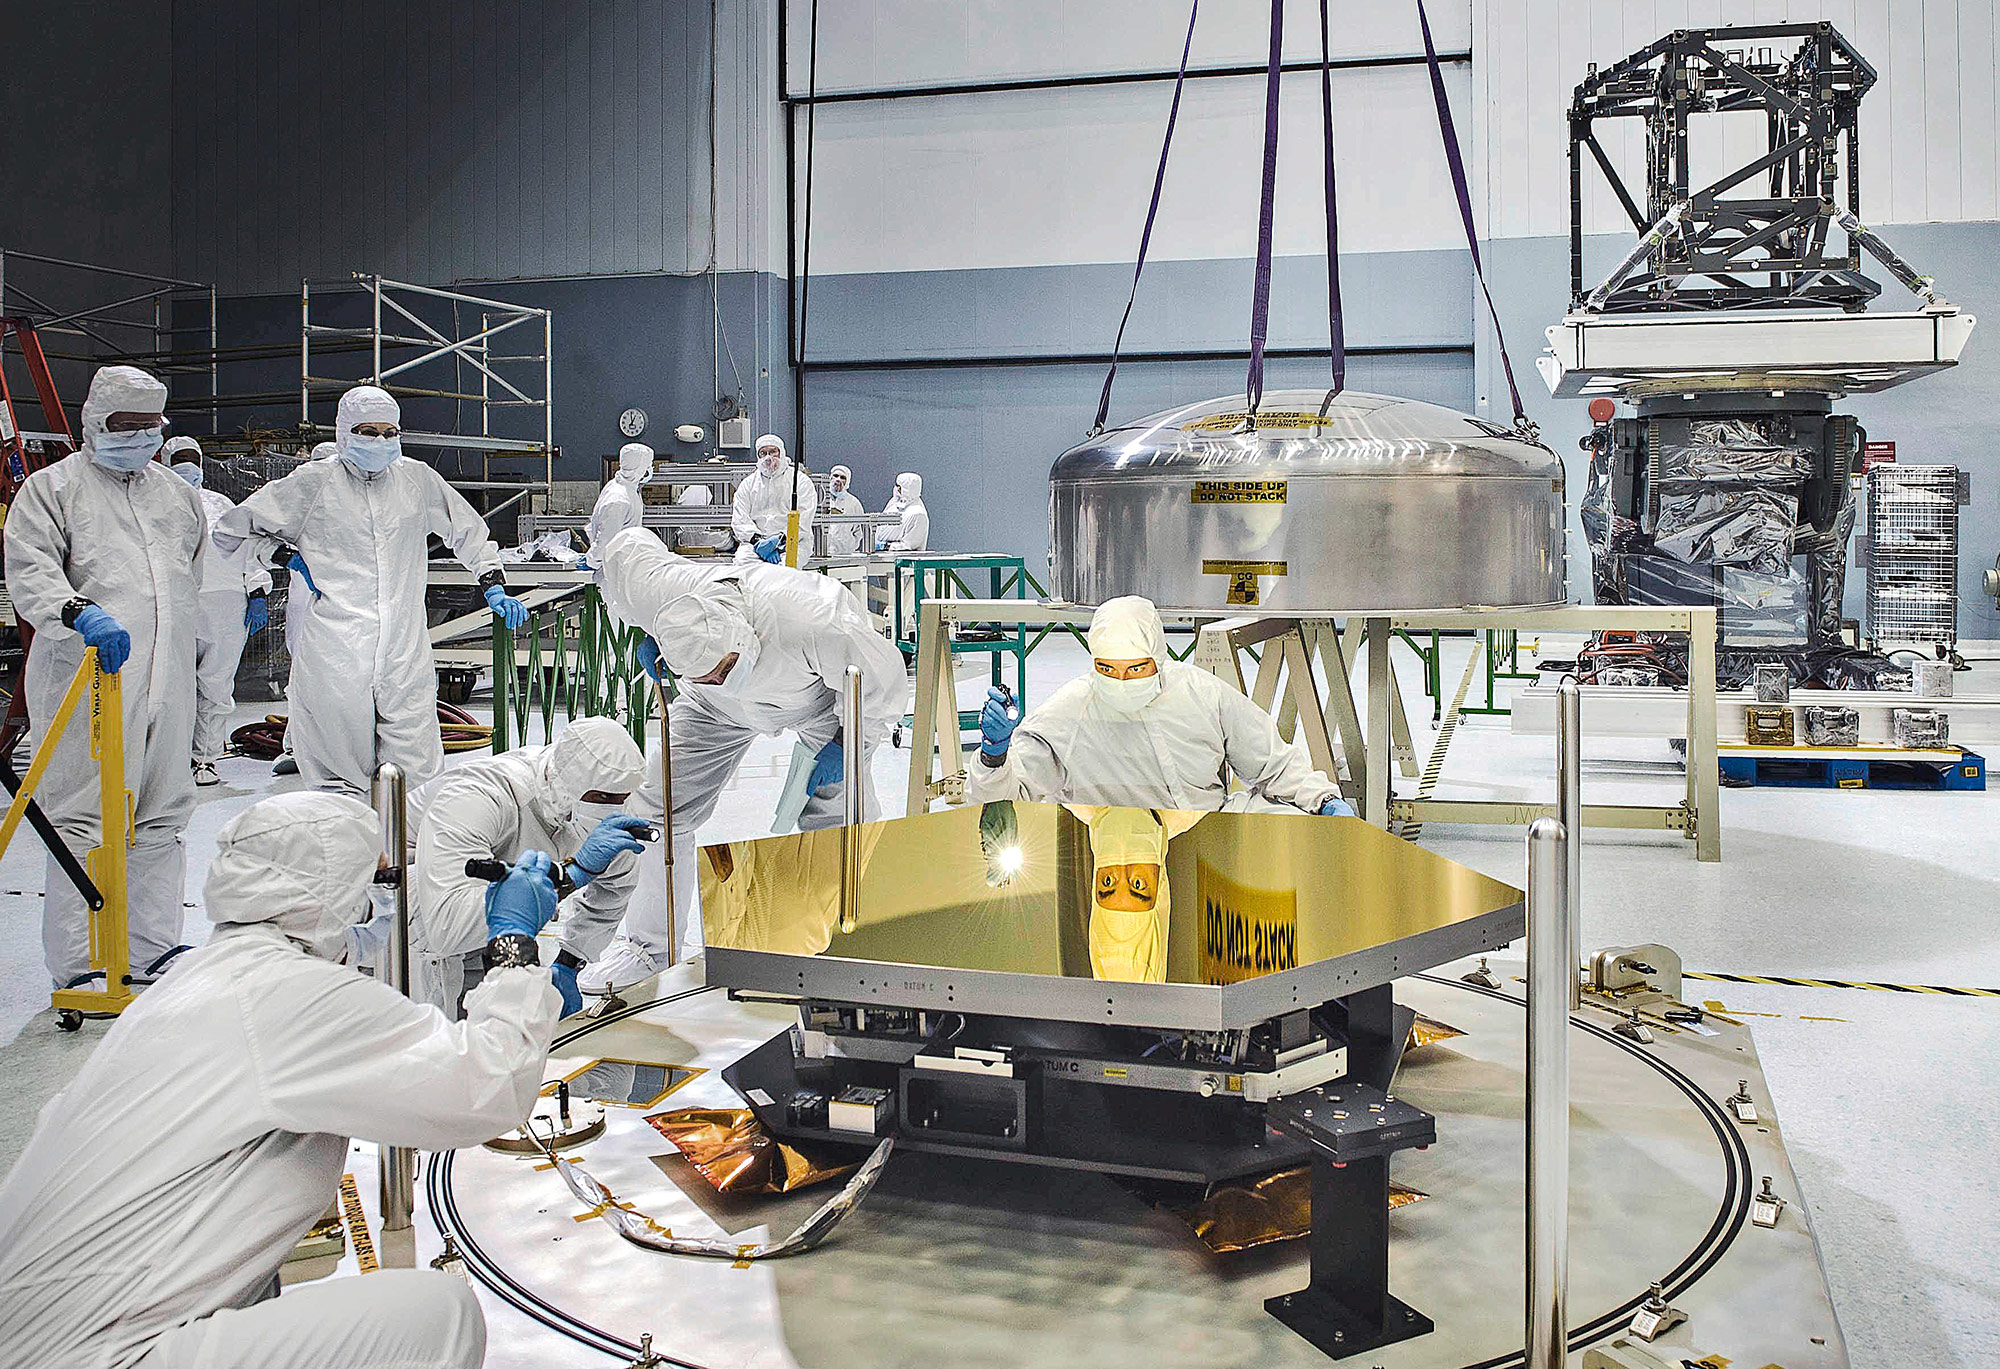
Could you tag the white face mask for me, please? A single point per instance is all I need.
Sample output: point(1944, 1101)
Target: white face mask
point(769, 463)
point(590, 814)
point(126, 452)
point(371, 454)
point(1127, 696)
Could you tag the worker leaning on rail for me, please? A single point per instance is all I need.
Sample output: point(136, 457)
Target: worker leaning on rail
point(1144, 731)
point(147, 1219)
point(757, 651)
point(358, 529)
point(105, 549)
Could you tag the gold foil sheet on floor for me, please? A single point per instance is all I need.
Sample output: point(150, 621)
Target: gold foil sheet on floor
point(1427, 1031)
point(1245, 1213)
point(731, 1149)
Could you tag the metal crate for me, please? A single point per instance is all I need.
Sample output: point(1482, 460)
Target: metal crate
point(1913, 553)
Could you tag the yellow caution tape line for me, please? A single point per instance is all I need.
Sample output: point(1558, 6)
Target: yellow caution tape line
point(1794, 982)
point(357, 1225)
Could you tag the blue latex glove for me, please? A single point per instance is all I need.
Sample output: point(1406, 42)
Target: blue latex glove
point(564, 978)
point(522, 903)
point(506, 607)
point(256, 614)
point(826, 766)
point(996, 725)
point(610, 839)
point(297, 565)
point(882, 542)
point(1337, 807)
point(649, 659)
point(771, 548)
point(101, 630)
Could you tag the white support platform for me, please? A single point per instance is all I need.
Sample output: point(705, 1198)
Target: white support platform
point(1633, 355)
point(1640, 711)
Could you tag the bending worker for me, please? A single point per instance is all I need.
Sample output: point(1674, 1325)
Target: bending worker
point(105, 549)
point(1144, 731)
point(364, 689)
point(758, 651)
point(619, 507)
point(761, 510)
point(842, 539)
point(233, 604)
point(147, 1219)
point(566, 798)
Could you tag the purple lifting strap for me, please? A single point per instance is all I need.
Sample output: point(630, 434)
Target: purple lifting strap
point(1152, 212)
point(1260, 299)
point(1456, 161)
point(1336, 330)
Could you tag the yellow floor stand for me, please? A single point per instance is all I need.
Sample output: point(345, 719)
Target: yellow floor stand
point(109, 947)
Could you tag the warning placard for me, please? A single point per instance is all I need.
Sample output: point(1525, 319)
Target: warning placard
point(1237, 492)
point(1245, 932)
point(1281, 420)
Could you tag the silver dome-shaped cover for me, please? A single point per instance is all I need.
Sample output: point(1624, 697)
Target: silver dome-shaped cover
point(1382, 503)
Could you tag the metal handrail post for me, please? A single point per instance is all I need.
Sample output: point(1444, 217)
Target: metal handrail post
point(853, 810)
point(1550, 975)
point(398, 1163)
point(1569, 812)
point(667, 816)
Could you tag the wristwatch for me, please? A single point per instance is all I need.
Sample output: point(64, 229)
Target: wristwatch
point(492, 578)
point(515, 950)
point(570, 959)
point(72, 608)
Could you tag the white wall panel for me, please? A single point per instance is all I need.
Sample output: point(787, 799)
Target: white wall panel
point(1929, 128)
point(870, 44)
point(1063, 176)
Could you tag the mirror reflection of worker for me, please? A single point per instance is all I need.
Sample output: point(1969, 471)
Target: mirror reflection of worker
point(105, 549)
point(757, 651)
point(761, 510)
point(842, 539)
point(1142, 730)
point(147, 1219)
point(1130, 902)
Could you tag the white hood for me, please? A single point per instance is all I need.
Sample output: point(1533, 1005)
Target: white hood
point(302, 862)
point(118, 390)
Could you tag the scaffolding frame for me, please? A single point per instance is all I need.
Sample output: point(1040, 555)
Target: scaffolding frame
point(147, 311)
point(414, 342)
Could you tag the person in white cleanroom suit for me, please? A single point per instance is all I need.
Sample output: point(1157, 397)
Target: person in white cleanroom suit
point(705, 539)
point(147, 1219)
point(1144, 731)
point(565, 798)
point(764, 500)
point(842, 540)
point(914, 532)
point(758, 651)
point(105, 548)
point(233, 605)
point(298, 605)
point(618, 507)
point(364, 689)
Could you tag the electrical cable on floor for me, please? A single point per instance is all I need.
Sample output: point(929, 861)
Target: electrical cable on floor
point(1796, 982)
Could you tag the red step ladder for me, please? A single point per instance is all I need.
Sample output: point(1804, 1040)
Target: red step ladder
point(21, 449)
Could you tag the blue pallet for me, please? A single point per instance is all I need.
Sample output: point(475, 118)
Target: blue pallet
point(1807, 772)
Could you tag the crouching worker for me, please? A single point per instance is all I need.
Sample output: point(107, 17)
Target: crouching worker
point(147, 1219)
point(565, 798)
